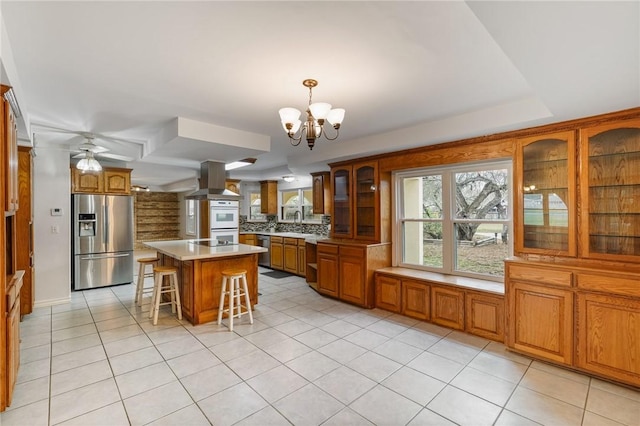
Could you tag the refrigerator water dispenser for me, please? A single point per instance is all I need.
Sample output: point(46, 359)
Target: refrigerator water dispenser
point(86, 225)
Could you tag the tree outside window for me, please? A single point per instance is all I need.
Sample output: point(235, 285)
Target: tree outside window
point(298, 200)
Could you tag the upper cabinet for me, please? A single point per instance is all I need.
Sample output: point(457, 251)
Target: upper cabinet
point(10, 130)
point(269, 197)
point(545, 194)
point(321, 186)
point(108, 181)
point(357, 209)
point(610, 190)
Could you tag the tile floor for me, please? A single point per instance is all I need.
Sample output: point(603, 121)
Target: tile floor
point(306, 360)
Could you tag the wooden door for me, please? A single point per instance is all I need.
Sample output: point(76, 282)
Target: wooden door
point(24, 229)
point(302, 258)
point(388, 293)
point(608, 336)
point(416, 299)
point(484, 315)
point(353, 274)
point(540, 321)
point(290, 263)
point(321, 187)
point(366, 220)
point(277, 253)
point(117, 181)
point(86, 182)
point(447, 307)
point(328, 269)
point(269, 197)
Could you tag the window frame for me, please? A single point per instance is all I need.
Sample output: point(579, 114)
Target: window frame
point(249, 205)
point(448, 220)
point(299, 206)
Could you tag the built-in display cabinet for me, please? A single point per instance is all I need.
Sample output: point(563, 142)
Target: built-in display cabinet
point(573, 289)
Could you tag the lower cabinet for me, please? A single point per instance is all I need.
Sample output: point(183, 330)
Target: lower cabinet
point(346, 270)
point(290, 255)
point(609, 341)
point(476, 312)
point(447, 307)
point(249, 239)
point(277, 253)
point(484, 315)
point(13, 348)
point(302, 258)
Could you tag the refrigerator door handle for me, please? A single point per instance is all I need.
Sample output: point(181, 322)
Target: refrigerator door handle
point(108, 256)
point(105, 223)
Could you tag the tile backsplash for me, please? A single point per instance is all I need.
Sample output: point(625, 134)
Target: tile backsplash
point(272, 222)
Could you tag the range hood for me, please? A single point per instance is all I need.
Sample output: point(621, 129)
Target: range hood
point(212, 183)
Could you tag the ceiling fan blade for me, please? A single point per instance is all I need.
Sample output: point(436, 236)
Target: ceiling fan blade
point(115, 157)
point(96, 149)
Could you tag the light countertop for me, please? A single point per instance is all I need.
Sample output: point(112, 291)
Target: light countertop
point(190, 250)
point(310, 238)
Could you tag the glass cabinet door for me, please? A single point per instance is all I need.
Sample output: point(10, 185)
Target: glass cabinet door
point(341, 218)
point(545, 189)
point(366, 191)
point(610, 191)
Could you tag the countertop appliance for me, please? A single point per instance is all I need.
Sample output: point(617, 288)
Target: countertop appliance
point(224, 220)
point(102, 240)
point(264, 259)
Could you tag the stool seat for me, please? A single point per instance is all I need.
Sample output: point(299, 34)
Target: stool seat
point(233, 277)
point(160, 288)
point(142, 274)
point(233, 272)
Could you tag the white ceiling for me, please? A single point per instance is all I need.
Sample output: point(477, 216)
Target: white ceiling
point(171, 84)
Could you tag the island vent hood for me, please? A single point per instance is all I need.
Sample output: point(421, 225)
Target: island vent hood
point(212, 183)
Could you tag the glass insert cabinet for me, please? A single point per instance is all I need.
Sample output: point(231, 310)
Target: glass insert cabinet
point(610, 191)
point(545, 188)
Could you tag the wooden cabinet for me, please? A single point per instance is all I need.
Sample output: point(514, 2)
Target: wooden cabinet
point(10, 147)
point(354, 287)
point(328, 274)
point(24, 229)
point(610, 190)
point(277, 253)
point(608, 340)
point(540, 316)
point(302, 258)
point(358, 212)
point(269, 197)
point(416, 299)
point(290, 255)
point(447, 307)
point(232, 185)
point(109, 181)
point(388, 293)
point(484, 315)
point(321, 186)
point(545, 202)
point(249, 239)
point(341, 217)
point(346, 270)
point(12, 334)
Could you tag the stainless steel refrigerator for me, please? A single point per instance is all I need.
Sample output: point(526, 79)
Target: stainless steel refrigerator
point(102, 240)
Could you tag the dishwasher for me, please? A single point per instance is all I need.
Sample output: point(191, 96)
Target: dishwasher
point(264, 259)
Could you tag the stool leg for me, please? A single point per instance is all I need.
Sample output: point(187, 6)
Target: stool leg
point(153, 295)
point(246, 298)
point(172, 291)
point(231, 300)
point(221, 305)
point(177, 293)
point(139, 285)
point(236, 281)
point(156, 302)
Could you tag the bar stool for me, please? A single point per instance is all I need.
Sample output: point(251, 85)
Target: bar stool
point(233, 278)
point(159, 288)
point(142, 274)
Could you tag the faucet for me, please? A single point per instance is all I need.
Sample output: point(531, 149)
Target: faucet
point(297, 215)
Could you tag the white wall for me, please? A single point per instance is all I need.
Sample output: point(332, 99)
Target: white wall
point(52, 251)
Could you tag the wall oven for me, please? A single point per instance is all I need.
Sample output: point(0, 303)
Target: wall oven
point(224, 220)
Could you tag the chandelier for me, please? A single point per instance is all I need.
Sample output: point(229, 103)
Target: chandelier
point(89, 163)
point(313, 127)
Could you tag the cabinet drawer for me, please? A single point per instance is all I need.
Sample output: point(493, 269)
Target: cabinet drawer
point(301, 242)
point(352, 251)
point(608, 284)
point(11, 297)
point(291, 241)
point(540, 275)
point(327, 248)
point(276, 239)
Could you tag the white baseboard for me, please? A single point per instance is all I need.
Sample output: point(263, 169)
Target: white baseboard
point(52, 302)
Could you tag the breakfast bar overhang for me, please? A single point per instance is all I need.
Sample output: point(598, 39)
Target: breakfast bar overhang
point(200, 264)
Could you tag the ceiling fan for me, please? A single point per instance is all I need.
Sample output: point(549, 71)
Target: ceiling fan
point(83, 149)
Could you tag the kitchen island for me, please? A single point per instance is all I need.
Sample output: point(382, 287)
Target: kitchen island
point(200, 264)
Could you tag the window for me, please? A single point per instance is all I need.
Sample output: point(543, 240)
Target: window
point(296, 205)
point(191, 217)
point(254, 207)
point(455, 220)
